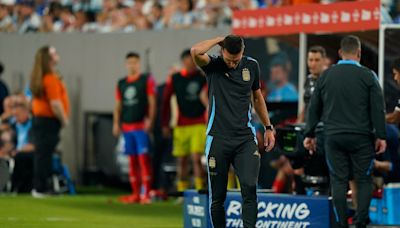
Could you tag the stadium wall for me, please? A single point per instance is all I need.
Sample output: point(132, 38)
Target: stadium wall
point(91, 65)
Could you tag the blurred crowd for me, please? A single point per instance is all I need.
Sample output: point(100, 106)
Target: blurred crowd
point(104, 16)
point(15, 138)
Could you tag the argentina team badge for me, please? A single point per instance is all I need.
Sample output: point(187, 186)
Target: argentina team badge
point(246, 74)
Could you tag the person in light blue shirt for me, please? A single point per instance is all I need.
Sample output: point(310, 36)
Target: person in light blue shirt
point(22, 174)
point(280, 89)
point(286, 93)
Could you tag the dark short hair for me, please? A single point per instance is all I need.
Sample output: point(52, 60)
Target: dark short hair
point(280, 60)
point(233, 44)
point(67, 9)
point(185, 53)
point(1, 68)
point(191, 5)
point(28, 3)
point(396, 64)
point(132, 55)
point(158, 5)
point(350, 44)
point(318, 49)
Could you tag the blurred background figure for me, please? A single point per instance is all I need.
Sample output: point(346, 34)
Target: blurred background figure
point(66, 22)
point(394, 117)
point(6, 24)
point(316, 65)
point(279, 87)
point(50, 109)
point(156, 17)
point(3, 90)
point(6, 148)
point(27, 19)
point(134, 116)
point(189, 87)
point(22, 176)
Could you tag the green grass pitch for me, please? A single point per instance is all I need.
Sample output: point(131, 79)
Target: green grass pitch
point(86, 211)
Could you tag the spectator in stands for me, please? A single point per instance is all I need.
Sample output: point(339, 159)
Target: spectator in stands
point(184, 16)
point(6, 147)
point(281, 90)
point(248, 5)
point(8, 105)
point(23, 156)
point(111, 18)
point(85, 21)
point(5, 17)
point(168, 12)
point(27, 19)
point(215, 13)
point(50, 16)
point(3, 90)
point(50, 109)
point(47, 24)
point(66, 22)
point(156, 18)
point(54, 9)
point(138, 19)
point(81, 20)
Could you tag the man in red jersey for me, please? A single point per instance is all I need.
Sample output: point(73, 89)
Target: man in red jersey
point(134, 116)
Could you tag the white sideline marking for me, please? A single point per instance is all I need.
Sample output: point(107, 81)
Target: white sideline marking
point(59, 219)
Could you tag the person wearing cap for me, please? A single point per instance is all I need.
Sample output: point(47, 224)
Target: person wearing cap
point(6, 24)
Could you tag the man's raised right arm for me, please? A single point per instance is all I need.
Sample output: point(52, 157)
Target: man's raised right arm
point(199, 50)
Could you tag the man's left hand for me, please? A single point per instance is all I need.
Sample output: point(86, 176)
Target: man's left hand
point(310, 144)
point(269, 140)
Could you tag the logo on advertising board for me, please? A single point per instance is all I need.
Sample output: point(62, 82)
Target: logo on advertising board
point(195, 210)
point(283, 212)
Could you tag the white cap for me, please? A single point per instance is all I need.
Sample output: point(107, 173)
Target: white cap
point(7, 2)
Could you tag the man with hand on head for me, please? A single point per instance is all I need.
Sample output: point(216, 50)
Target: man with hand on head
point(234, 87)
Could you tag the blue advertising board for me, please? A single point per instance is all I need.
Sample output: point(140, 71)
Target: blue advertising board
point(274, 210)
point(196, 212)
